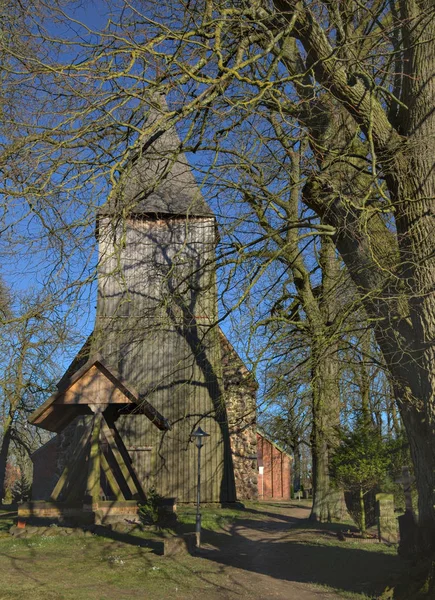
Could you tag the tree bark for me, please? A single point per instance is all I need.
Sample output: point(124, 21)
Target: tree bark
point(321, 438)
point(393, 270)
point(363, 512)
point(328, 501)
point(4, 451)
point(297, 468)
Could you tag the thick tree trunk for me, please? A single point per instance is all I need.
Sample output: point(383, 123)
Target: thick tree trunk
point(297, 468)
point(415, 193)
point(421, 438)
point(321, 484)
point(328, 501)
point(4, 452)
point(319, 449)
point(393, 270)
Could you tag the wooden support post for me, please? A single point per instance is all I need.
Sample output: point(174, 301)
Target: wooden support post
point(93, 483)
point(111, 478)
point(71, 467)
point(124, 463)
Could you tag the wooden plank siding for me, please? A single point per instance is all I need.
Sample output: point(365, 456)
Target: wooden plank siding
point(156, 340)
point(93, 388)
point(156, 306)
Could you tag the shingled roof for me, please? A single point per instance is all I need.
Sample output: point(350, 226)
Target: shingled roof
point(158, 178)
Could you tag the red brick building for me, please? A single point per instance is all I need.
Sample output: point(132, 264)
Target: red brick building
point(274, 470)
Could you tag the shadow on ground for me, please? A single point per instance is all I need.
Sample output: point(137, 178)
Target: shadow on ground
point(270, 551)
point(295, 550)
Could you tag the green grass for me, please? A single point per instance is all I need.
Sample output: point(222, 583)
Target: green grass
point(212, 519)
point(7, 517)
point(100, 568)
point(59, 568)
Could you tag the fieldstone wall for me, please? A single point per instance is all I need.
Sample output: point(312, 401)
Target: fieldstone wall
point(241, 404)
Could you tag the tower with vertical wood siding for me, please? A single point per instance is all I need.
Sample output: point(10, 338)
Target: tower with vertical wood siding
point(156, 334)
point(156, 318)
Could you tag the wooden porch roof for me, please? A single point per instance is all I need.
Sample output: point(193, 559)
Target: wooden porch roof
point(92, 384)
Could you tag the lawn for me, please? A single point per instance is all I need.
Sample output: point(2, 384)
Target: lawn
point(124, 567)
point(94, 568)
point(99, 568)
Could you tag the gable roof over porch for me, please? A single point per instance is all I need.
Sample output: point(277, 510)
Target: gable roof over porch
point(93, 384)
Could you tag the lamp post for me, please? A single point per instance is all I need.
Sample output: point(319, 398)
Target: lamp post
point(199, 435)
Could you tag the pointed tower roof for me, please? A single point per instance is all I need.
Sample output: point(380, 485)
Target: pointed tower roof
point(158, 179)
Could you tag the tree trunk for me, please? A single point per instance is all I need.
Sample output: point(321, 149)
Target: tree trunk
point(421, 439)
point(296, 468)
point(319, 450)
point(328, 501)
point(396, 425)
point(414, 188)
point(394, 270)
point(4, 452)
point(364, 379)
point(363, 526)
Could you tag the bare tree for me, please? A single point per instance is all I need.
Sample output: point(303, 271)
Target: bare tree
point(29, 366)
point(357, 79)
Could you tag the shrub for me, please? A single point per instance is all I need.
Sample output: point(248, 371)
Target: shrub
point(360, 464)
point(153, 512)
point(21, 490)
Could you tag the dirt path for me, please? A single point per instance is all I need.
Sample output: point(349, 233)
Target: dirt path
point(273, 555)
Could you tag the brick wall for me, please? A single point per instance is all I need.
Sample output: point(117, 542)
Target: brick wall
point(275, 481)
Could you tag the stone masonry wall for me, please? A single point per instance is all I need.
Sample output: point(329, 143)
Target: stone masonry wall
point(241, 404)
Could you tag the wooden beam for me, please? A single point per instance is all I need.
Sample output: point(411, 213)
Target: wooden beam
point(93, 482)
point(123, 462)
point(70, 468)
point(118, 457)
point(111, 478)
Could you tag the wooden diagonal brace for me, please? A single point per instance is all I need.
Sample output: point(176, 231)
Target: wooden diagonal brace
point(71, 467)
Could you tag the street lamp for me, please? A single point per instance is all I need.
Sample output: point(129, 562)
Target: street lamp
point(199, 435)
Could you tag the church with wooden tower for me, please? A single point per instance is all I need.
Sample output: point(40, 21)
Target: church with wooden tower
point(156, 366)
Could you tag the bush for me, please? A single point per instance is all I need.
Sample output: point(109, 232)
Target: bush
point(360, 464)
point(21, 490)
point(153, 512)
